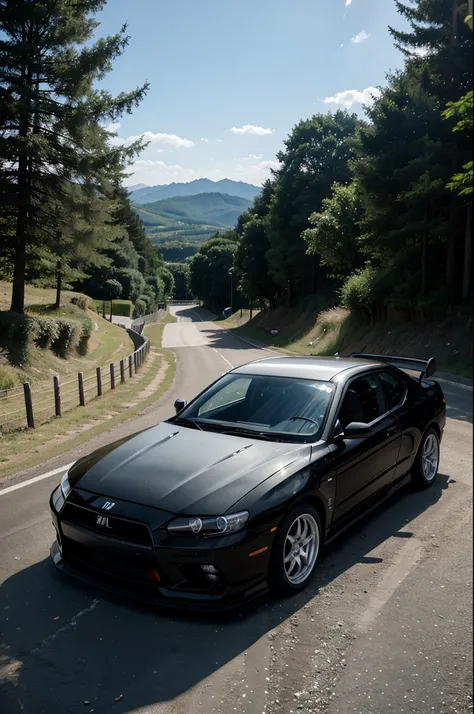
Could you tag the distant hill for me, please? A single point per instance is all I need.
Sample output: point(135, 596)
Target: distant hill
point(214, 210)
point(136, 187)
point(150, 194)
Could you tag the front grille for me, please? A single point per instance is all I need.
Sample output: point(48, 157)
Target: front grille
point(106, 525)
point(88, 558)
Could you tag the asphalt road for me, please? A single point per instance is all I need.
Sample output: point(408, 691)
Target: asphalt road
point(386, 625)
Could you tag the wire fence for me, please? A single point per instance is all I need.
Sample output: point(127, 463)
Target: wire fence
point(31, 405)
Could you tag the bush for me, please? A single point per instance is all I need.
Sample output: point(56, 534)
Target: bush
point(140, 308)
point(366, 291)
point(82, 302)
point(124, 308)
point(48, 332)
point(68, 337)
point(17, 333)
point(87, 330)
point(7, 378)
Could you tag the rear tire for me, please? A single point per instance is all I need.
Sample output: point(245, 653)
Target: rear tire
point(426, 463)
point(295, 551)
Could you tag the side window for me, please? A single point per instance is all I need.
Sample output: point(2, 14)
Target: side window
point(393, 388)
point(235, 391)
point(363, 401)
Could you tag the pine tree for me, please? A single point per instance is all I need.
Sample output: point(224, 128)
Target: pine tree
point(51, 133)
point(440, 42)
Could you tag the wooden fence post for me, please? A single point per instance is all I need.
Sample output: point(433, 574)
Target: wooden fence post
point(112, 376)
point(122, 370)
point(135, 362)
point(130, 366)
point(99, 381)
point(82, 399)
point(57, 396)
point(30, 420)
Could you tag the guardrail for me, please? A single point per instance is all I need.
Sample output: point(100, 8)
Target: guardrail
point(42, 401)
point(139, 323)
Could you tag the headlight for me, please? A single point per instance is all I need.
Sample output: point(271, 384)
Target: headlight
point(65, 486)
point(215, 525)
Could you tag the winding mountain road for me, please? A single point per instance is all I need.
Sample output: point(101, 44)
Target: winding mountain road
point(386, 625)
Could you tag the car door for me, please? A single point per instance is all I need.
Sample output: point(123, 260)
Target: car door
point(365, 467)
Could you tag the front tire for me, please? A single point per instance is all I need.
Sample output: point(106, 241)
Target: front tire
point(295, 551)
point(426, 463)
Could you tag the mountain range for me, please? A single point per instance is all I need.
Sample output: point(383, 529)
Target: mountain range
point(215, 210)
point(149, 194)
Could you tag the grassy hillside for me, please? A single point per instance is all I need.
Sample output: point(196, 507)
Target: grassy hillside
point(338, 331)
point(107, 343)
point(206, 209)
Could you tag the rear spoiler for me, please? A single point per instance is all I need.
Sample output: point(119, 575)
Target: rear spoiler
point(427, 367)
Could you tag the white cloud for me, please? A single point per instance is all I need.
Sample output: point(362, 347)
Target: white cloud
point(421, 51)
point(255, 156)
point(149, 162)
point(115, 126)
point(206, 140)
point(360, 37)
point(251, 129)
point(265, 165)
point(354, 96)
point(169, 140)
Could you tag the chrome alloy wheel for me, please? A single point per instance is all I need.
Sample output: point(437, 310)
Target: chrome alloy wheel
point(301, 548)
point(430, 457)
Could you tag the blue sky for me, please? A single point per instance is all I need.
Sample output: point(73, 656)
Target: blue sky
point(230, 78)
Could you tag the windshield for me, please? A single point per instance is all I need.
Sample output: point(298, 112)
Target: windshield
point(269, 407)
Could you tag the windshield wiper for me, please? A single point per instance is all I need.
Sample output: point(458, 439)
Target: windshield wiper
point(185, 421)
point(241, 431)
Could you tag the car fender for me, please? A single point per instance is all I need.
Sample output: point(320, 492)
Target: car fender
point(313, 482)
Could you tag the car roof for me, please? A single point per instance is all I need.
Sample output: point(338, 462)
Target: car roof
point(320, 368)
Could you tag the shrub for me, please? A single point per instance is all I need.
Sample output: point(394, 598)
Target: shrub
point(7, 378)
point(366, 291)
point(17, 333)
point(48, 332)
point(68, 337)
point(140, 308)
point(82, 302)
point(87, 329)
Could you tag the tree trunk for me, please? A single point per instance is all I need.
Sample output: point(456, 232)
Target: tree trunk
point(424, 250)
point(59, 284)
point(451, 247)
point(466, 282)
point(18, 288)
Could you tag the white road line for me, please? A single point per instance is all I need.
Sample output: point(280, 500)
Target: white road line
point(224, 358)
point(9, 489)
point(466, 387)
point(405, 560)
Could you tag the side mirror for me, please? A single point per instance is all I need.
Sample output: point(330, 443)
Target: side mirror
point(179, 405)
point(357, 430)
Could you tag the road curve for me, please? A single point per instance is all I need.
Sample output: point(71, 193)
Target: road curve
point(386, 625)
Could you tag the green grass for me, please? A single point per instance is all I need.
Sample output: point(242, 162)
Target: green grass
point(339, 331)
point(109, 343)
point(24, 449)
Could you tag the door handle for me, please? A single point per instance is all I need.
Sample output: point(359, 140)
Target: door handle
point(393, 430)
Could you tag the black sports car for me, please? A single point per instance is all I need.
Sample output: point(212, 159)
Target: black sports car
point(240, 489)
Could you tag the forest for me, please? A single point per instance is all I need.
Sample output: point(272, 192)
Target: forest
point(367, 212)
point(65, 217)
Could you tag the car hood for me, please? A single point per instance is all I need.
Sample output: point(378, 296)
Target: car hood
point(183, 470)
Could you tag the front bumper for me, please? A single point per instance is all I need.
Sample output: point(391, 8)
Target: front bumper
point(131, 570)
